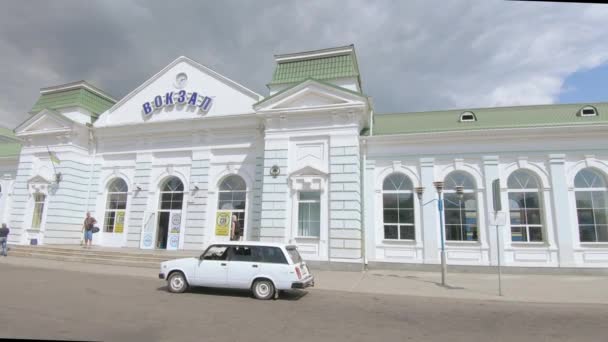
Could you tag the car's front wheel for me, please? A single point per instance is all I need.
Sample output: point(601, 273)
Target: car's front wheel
point(263, 289)
point(177, 282)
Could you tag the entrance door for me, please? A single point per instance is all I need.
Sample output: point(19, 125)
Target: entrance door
point(170, 213)
point(212, 269)
point(162, 230)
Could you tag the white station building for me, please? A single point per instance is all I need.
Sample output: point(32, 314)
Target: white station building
point(170, 164)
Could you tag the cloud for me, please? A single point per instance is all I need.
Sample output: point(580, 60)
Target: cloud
point(414, 55)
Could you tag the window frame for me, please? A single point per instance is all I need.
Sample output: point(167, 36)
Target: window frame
point(300, 201)
point(42, 203)
point(591, 189)
point(472, 191)
point(241, 214)
point(410, 226)
point(538, 190)
point(115, 211)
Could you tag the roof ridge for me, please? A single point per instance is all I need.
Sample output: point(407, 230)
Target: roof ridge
point(582, 104)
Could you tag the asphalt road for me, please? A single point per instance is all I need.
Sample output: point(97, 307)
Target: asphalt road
point(48, 304)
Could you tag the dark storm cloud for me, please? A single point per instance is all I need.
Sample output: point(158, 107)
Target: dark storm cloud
point(414, 55)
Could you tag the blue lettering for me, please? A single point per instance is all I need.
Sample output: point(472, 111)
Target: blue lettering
point(206, 103)
point(158, 101)
point(182, 96)
point(193, 99)
point(147, 108)
point(169, 99)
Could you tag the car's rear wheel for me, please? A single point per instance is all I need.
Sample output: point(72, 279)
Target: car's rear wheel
point(177, 282)
point(263, 289)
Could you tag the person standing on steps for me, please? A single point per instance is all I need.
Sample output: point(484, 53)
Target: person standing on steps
point(87, 228)
point(4, 238)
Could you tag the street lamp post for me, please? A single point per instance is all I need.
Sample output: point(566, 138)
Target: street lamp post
point(439, 186)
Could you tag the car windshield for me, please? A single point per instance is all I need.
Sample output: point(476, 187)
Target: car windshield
point(294, 255)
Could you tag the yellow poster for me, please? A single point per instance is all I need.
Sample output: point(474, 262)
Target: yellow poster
point(119, 222)
point(222, 223)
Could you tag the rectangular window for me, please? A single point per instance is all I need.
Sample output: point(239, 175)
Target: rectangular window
point(398, 216)
point(309, 214)
point(38, 210)
point(460, 217)
point(525, 216)
point(216, 253)
point(273, 255)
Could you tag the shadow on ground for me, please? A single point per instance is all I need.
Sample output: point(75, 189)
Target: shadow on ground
point(283, 295)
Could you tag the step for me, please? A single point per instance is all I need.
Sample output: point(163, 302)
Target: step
point(100, 251)
point(43, 254)
point(97, 254)
point(155, 265)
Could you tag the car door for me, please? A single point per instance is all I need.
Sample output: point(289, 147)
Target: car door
point(212, 268)
point(276, 266)
point(244, 265)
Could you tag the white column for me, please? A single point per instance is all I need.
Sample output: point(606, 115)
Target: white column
point(490, 170)
point(561, 210)
point(430, 224)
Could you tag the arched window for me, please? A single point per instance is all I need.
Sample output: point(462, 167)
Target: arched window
point(172, 194)
point(116, 205)
point(460, 210)
point(398, 207)
point(232, 199)
point(525, 207)
point(591, 205)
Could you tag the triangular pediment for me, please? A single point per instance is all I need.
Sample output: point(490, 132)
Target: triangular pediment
point(182, 90)
point(38, 180)
point(47, 121)
point(307, 171)
point(311, 94)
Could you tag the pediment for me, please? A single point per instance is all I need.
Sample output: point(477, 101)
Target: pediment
point(311, 98)
point(38, 179)
point(47, 121)
point(184, 89)
point(311, 94)
point(307, 171)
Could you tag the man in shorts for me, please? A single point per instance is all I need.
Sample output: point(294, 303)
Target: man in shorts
point(87, 228)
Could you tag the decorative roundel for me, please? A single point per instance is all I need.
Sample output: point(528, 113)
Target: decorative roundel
point(275, 170)
point(148, 240)
point(180, 80)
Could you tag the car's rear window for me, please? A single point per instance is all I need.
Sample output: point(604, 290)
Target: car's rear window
point(294, 255)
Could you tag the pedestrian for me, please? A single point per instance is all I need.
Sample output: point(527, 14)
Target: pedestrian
point(87, 228)
point(4, 238)
point(236, 233)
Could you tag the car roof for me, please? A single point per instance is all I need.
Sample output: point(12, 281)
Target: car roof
point(251, 243)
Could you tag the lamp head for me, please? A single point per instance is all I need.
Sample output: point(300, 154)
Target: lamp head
point(439, 186)
point(460, 191)
point(419, 191)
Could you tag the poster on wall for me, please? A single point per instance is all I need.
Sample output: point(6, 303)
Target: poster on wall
point(175, 223)
point(222, 223)
point(147, 234)
point(119, 222)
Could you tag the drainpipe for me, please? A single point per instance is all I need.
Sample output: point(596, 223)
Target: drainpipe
point(92, 141)
point(362, 195)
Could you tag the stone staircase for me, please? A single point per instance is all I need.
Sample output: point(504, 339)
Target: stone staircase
point(100, 255)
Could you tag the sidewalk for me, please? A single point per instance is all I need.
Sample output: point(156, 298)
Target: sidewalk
point(519, 288)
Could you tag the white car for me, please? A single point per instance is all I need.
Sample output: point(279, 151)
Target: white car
point(265, 268)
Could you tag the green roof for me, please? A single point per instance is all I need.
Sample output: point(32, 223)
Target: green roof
point(489, 118)
point(8, 150)
point(318, 68)
point(9, 144)
point(74, 95)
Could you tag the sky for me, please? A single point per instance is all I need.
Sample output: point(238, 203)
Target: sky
point(413, 55)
